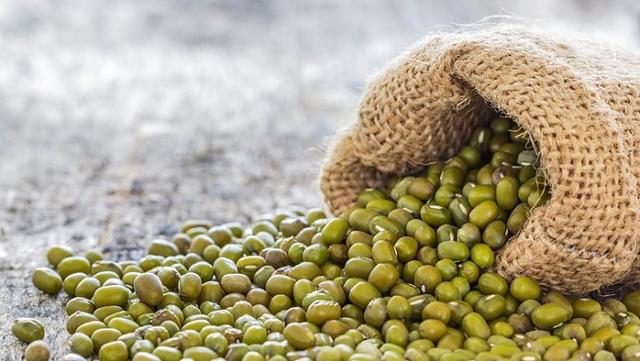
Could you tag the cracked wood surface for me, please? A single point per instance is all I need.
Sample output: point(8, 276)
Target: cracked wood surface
point(118, 120)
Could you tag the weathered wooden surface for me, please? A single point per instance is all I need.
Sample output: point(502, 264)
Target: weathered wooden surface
point(120, 119)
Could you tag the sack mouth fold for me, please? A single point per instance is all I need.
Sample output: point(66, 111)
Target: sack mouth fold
point(425, 104)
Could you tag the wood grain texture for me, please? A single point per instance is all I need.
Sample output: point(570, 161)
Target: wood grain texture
point(120, 119)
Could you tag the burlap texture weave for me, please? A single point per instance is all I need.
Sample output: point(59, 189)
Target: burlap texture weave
point(578, 100)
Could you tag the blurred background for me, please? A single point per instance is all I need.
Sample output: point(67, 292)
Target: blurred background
point(120, 119)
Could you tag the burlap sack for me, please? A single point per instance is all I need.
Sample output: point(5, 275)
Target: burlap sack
point(579, 101)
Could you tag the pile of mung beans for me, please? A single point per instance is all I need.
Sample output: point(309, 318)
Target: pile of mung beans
point(405, 275)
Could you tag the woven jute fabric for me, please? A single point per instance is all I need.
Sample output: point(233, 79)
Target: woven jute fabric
point(578, 100)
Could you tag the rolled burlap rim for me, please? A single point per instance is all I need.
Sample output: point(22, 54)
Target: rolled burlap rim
point(578, 100)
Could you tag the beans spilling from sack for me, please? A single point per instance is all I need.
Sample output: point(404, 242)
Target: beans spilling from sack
point(406, 275)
